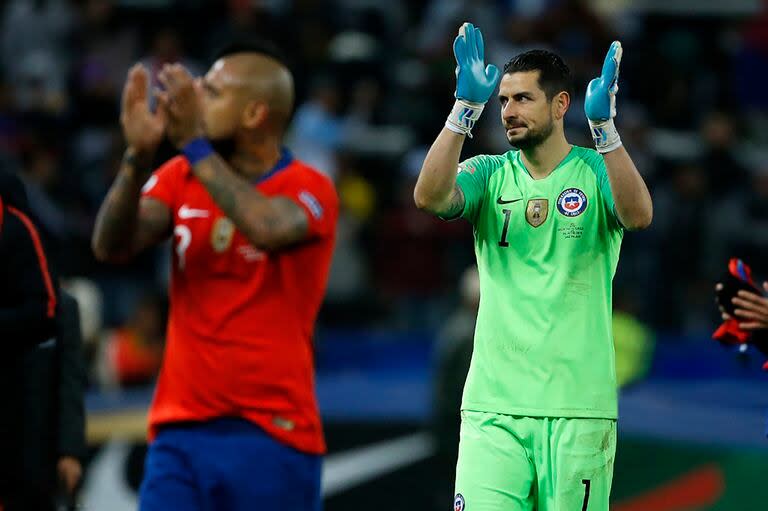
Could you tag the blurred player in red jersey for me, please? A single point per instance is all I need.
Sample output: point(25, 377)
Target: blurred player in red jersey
point(234, 423)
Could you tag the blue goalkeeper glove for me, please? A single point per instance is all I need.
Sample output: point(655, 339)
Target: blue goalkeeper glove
point(600, 102)
point(475, 82)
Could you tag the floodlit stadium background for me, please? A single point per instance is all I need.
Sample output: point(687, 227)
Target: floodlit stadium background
point(375, 83)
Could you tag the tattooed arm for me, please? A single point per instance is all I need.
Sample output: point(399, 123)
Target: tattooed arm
point(126, 223)
point(436, 190)
point(268, 222)
point(455, 205)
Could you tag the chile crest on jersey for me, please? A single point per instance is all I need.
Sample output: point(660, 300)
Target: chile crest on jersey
point(572, 202)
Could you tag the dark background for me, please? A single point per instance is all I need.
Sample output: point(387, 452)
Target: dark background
point(375, 82)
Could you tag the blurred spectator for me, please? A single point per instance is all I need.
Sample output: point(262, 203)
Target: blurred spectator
point(53, 438)
point(28, 301)
point(580, 35)
point(132, 353)
point(454, 353)
point(347, 299)
point(90, 307)
point(40, 173)
point(42, 377)
point(635, 134)
point(443, 16)
point(365, 131)
point(36, 42)
point(380, 76)
point(318, 130)
point(682, 214)
point(106, 49)
point(313, 26)
point(414, 257)
point(740, 226)
point(721, 144)
point(750, 63)
point(243, 19)
point(633, 341)
point(167, 48)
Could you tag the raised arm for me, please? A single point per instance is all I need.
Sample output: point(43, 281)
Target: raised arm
point(126, 223)
point(269, 223)
point(436, 190)
point(630, 194)
point(633, 201)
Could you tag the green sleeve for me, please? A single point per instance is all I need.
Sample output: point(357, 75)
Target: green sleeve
point(473, 180)
point(597, 164)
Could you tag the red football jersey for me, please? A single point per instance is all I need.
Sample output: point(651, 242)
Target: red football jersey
point(241, 319)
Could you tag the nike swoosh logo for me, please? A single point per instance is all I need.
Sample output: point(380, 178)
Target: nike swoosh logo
point(185, 212)
point(502, 201)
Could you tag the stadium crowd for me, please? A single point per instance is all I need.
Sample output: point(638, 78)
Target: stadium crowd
point(374, 83)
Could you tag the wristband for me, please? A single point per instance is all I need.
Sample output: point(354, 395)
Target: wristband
point(463, 117)
point(196, 150)
point(605, 135)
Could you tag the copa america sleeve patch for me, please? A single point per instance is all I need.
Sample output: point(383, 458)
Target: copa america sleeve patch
point(469, 167)
point(311, 202)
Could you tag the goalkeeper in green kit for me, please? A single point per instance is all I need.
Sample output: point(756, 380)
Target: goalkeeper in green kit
point(538, 416)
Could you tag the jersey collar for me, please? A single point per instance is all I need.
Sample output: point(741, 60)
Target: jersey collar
point(286, 158)
point(565, 160)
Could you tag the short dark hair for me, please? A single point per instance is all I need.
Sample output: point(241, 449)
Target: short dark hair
point(252, 45)
point(554, 75)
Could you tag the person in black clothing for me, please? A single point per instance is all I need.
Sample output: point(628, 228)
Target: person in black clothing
point(42, 374)
point(52, 439)
point(28, 299)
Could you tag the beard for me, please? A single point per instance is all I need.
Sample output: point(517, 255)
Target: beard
point(533, 137)
point(224, 146)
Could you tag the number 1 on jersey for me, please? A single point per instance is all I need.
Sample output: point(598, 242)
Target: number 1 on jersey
point(503, 241)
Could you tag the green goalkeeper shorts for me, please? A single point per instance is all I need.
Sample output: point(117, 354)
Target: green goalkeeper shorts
point(512, 463)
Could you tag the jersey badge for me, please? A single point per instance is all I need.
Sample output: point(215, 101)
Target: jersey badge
point(572, 202)
point(221, 234)
point(536, 212)
point(458, 502)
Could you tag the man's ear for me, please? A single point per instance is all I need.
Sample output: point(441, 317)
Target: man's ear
point(560, 104)
point(255, 114)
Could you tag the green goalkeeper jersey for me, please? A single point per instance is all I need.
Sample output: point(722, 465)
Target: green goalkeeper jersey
point(546, 252)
